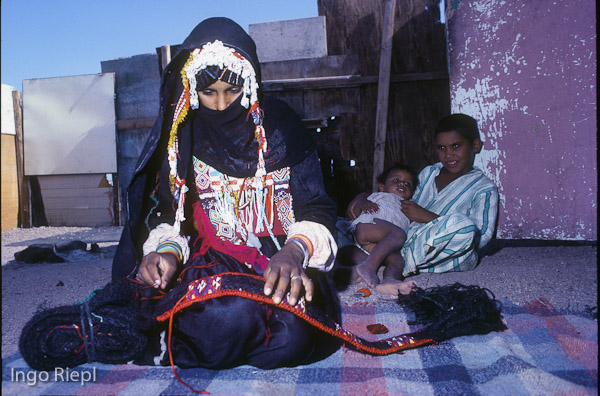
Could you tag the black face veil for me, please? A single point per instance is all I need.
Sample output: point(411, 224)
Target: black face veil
point(228, 140)
point(224, 140)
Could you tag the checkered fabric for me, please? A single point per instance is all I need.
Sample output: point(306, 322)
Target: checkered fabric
point(545, 351)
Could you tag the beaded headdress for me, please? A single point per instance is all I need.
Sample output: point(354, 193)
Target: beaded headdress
point(213, 54)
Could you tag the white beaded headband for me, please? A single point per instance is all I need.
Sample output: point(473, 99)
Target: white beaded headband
point(217, 54)
point(213, 54)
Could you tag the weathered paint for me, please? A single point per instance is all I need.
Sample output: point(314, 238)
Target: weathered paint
point(527, 72)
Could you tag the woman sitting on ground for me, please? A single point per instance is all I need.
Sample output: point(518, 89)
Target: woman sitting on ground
point(229, 182)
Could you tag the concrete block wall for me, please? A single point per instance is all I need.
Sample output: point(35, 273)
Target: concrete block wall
point(292, 39)
point(137, 86)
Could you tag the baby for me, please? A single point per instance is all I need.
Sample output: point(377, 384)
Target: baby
point(379, 231)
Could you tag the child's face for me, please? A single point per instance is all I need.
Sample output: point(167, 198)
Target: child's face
point(398, 182)
point(455, 152)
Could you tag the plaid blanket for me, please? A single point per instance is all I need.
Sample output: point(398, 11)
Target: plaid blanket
point(543, 352)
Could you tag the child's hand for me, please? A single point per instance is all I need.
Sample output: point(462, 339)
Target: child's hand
point(359, 205)
point(367, 206)
point(417, 213)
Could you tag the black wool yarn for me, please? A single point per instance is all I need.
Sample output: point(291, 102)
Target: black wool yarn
point(104, 329)
point(454, 310)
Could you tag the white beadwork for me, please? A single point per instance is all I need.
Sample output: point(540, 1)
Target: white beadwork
point(217, 54)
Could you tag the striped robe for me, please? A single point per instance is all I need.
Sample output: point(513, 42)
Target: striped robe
point(467, 207)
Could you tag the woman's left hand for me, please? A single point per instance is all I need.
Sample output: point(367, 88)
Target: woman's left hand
point(285, 267)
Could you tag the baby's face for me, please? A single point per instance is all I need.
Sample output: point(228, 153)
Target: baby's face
point(398, 182)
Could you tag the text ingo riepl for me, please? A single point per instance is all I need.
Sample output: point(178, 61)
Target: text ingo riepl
point(58, 375)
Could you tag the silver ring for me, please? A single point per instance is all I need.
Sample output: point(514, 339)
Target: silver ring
point(293, 278)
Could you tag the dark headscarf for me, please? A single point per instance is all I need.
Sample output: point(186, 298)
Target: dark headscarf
point(224, 140)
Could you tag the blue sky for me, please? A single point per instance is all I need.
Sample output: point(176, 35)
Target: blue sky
point(55, 38)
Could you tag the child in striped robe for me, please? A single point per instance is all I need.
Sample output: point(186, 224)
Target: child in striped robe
point(454, 208)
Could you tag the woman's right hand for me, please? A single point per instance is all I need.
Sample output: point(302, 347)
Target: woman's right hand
point(157, 269)
point(285, 269)
point(359, 205)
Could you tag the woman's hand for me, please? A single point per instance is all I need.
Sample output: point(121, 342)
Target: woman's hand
point(157, 269)
point(359, 205)
point(417, 213)
point(285, 267)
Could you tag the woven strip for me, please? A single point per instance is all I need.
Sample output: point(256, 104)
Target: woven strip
point(251, 287)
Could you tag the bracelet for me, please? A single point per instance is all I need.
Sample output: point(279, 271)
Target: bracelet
point(304, 250)
point(172, 248)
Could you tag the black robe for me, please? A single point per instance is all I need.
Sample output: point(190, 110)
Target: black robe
point(225, 140)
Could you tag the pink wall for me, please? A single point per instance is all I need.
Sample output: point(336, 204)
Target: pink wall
point(526, 70)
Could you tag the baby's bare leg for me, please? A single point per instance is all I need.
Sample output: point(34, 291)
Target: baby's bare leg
point(394, 266)
point(380, 239)
point(349, 257)
point(392, 282)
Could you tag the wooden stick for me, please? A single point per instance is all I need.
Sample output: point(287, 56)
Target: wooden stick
point(135, 123)
point(22, 181)
point(346, 81)
point(383, 88)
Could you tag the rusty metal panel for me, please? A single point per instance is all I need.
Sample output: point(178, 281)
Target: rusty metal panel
point(69, 125)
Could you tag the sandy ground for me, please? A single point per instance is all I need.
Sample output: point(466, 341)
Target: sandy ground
point(565, 275)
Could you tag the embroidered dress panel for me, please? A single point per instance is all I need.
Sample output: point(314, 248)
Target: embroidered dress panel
point(233, 205)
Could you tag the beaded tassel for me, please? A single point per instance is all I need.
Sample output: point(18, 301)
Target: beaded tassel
point(179, 215)
point(217, 54)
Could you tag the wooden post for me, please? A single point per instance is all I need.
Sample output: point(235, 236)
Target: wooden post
point(383, 88)
point(165, 56)
point(22, 182)
point(116, 200)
